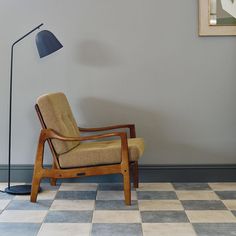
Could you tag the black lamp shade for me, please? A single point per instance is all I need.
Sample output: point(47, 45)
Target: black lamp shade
point(47, 43)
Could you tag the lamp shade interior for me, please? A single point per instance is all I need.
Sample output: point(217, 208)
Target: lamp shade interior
point(47, 43)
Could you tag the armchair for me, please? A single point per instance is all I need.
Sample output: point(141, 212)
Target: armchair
point(73, 157)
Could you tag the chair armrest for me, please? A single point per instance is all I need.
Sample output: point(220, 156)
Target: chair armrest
point(51, 134)
point(130, 126)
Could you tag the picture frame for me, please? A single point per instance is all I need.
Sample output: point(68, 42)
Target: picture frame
point(205, 29)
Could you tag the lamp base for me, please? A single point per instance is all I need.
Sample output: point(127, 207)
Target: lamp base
point(19, 190)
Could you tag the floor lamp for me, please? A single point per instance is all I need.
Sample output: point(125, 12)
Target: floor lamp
point(46, 43)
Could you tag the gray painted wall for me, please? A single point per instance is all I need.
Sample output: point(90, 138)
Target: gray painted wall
point(124, 61)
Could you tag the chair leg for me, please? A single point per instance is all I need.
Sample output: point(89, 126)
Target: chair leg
point(35, 188)
point(135, 174)
point(53, 182)
point(127, 188)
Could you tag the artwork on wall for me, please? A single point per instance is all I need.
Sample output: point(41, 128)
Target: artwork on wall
point(217, 17)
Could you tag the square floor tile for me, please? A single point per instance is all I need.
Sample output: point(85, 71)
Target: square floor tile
point(210, 216)
point(223, 186)
point(73, 205)
point(234, 213)
point(230, 204)
point(114, 195)
point(48, 186)
point(191, 186)
point(44, 195)
point(5, 196)
point(116, 217)
point(78, 187)
point(65, 229)
point(203, 205)
point(27, 205)
point(155, 187)
point(76, 195)
point(117, 230)
point(226, 195)
point(20, 216)
point(69, 217)
point(164, 216)
point(3, 186)
point(157, 195)
point(19, 229)
point(225, 229)
point(3, 204)
point(160, 205)
point(112, 187)
point(115, 205)
point(168, 229)
point(197, 195)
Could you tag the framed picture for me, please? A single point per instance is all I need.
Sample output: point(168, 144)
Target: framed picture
point(217, 17)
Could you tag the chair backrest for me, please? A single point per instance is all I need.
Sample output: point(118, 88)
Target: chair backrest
point(57, 115)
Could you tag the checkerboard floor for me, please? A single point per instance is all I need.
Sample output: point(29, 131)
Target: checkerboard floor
point(162, 209)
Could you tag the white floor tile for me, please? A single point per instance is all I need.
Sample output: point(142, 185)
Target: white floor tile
point(73, 205)
point(65, 229)
point(23, 216)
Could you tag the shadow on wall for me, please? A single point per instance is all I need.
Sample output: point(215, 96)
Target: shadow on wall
point(97, 53)
point(99, 112)
point(154, 127)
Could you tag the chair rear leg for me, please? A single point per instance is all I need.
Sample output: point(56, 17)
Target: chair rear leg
point(127, 188)
point(135, 174)
point(53, 181)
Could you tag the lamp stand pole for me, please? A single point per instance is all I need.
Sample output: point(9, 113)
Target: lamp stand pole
point(18, 189)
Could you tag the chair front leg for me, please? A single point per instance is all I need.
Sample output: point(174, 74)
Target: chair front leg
point(125, 168)
point(127, 187)
point(38, 170)
point(35, 188)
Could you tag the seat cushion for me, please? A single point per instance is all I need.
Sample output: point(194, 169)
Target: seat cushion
point(57, 115)
point(100, 153)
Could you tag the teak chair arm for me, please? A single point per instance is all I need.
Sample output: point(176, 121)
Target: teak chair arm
point(52, 134)
point(130, 126)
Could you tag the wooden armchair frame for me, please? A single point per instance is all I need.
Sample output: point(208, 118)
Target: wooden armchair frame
point(56, 172)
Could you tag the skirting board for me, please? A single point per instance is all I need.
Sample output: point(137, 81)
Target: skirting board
point(148, 173)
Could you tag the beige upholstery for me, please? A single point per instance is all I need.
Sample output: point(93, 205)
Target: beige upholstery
point(58, 116)
point(100, 153)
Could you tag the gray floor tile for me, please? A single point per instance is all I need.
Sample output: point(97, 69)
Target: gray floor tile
point(47, 186)
point(226, 194)
point(27, 205)
point(203, 205)
point(191, 186)
point(115, 205)
point(76, 195)
point(163, 216)
point(112, 187)
point(69, 217)
point(116, 229)
point(151, 195)
point(6, 196)
point(19, 229)
point(219, 229)
point(234, 213)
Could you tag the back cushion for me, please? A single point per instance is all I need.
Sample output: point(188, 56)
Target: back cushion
point(57, 115)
